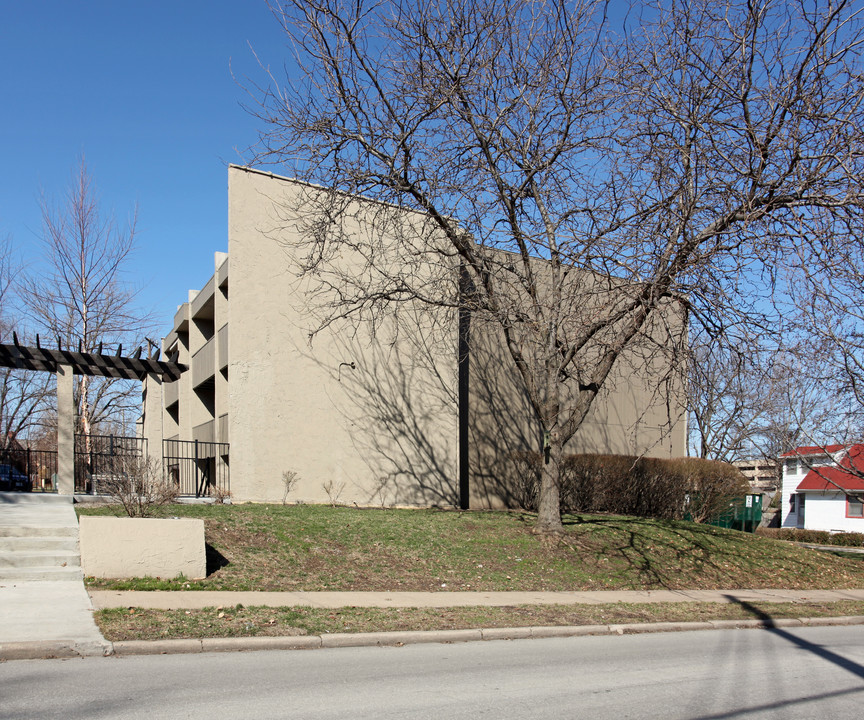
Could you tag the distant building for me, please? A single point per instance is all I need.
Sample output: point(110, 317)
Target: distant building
point(762, 475)
point(823, 488)
point(357, 416)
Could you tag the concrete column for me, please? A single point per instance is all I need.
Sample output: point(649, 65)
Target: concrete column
point(65, 431)
point(153, 411)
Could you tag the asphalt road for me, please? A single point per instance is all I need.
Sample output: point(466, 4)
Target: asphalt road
point(802, 673)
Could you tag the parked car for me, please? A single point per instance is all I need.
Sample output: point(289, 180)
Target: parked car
point(11, 478)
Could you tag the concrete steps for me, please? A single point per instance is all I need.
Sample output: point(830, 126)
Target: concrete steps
point(43, 603)
point(31, 543)
point(41, 574)
point(41, 531)
point(38, 538)
point(20, 558)
point(38, 499)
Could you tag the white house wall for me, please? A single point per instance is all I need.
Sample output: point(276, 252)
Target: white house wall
point(828, 512)
point(791, 481)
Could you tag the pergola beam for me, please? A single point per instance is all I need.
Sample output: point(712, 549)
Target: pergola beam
point(94, 364)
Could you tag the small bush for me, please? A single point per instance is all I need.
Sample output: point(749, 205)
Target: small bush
point(138, 485)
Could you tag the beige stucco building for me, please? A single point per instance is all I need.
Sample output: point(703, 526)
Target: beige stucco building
point(366, 412)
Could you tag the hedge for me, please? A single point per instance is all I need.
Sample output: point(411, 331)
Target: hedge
point(628, 485)
point(816, 537)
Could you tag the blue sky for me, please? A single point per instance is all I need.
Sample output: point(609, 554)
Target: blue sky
point(144, 90)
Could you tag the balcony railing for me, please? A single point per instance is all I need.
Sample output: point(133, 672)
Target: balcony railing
point(181, 317)
point(203, 297)
point(222, 338)
point(204, 363)
point(204, 432)
point(171, 391)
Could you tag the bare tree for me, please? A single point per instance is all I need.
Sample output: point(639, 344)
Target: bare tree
point(589, 177)
point(724, 404)
point(754, 399)
point(79, 295)
point(827, 294)
point(23, 394)
point(137, 485)
point(23, 398)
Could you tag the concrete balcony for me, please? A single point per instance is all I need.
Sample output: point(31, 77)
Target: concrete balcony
point(204, 363)
point(222, 273)
point(181, 318)
point(202, 303)
point(222, 339)
point(171, 391)
point(204, 432)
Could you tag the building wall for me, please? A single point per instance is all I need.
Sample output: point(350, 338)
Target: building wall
point(362, 416)
point(381, 432)
point(828, 512)
point(633, 414)
point(762, 475)
point(794, 471)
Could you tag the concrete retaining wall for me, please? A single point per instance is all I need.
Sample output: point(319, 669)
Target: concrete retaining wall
point(138, 547)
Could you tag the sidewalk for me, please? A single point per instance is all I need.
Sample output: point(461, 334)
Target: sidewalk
point(195, 599)
point(189, 600)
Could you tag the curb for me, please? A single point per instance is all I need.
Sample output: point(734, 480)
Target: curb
point(53, 649)
point(43, 650)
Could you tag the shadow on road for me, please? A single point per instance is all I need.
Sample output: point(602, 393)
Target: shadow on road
point(832, 657)
point(849, 665)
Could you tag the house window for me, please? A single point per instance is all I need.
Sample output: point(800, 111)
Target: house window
point(792, 504)
point(854, 506)
point(791, 467)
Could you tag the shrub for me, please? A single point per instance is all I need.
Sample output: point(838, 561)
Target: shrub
point(627, 485)
point(712, 485)
point(816, 537)
point(138, 485)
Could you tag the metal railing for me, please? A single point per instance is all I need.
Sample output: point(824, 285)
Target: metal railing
point(101, 456)
point(197, 468)
point(39, 467)
point(204, 363)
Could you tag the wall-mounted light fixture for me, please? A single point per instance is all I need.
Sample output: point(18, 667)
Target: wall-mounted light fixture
point(351, 365)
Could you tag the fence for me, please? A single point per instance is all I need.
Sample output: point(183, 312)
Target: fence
point(40, 466)
point(742, 514)
point(197, 468)
point(103, 456)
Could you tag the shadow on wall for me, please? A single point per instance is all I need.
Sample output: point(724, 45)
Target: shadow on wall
point(630, 416)
point(501, 425)
point(399, 408)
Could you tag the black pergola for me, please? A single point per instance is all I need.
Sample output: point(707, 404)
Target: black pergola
point(95, 364)
point(66, 363)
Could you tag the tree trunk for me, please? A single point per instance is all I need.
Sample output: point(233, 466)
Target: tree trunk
point(549, 509)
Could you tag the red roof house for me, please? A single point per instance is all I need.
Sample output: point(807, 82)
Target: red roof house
point(829, 495)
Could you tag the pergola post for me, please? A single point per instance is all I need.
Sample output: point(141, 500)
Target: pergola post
point(65, 431)
point(152, 397)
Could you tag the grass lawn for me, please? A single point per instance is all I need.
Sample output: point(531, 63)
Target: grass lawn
point(140, 624)
point(312, 547)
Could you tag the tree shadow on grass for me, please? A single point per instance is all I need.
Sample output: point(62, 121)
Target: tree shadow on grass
point(640, 545)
